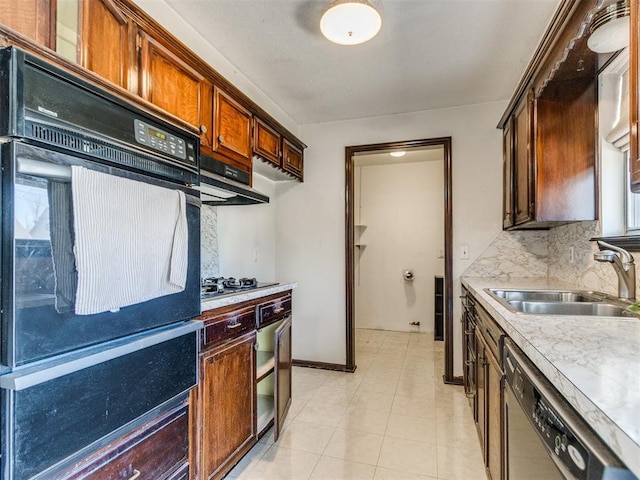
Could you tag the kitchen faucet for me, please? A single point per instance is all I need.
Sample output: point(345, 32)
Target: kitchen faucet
point(623, 265)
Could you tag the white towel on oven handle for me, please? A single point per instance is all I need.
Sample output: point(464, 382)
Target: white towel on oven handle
point(131, 241)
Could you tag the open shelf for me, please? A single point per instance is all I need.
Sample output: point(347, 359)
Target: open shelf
point(266, 410)
point(264, 364)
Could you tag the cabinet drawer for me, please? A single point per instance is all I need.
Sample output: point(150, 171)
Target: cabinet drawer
point(273, 310)
point(156, 450)
point(226, 326)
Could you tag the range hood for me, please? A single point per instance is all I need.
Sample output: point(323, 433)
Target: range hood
point(221, 184)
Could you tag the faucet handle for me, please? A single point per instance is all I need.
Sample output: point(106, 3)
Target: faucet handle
point(626, 257)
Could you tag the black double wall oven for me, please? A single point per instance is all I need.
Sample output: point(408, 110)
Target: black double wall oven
point(100, 266)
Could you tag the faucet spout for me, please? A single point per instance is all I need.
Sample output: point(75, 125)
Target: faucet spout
point(624, 266)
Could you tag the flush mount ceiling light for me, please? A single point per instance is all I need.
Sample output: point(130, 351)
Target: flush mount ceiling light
point(609, 31)
point(350, 22)
point(400, 153)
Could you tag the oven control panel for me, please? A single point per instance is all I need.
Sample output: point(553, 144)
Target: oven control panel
point(159, 140)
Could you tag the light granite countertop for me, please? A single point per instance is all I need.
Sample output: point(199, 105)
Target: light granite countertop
point(593, 361)
point(243, 296)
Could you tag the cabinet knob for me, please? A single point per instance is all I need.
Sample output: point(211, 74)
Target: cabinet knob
point(221, 138)
point(203, 129)
point(288, 159)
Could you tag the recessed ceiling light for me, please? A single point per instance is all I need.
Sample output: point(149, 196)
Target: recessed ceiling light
point(400, 153)
point(350, 22)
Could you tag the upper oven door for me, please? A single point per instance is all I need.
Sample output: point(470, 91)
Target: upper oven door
point(40, 313)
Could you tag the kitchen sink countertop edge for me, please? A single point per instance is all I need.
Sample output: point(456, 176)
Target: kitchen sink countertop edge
point(243, 296)
point(593, 361)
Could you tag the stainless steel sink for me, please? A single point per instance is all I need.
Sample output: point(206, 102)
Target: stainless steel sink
point(561, 302)
point(545, 295)
point(571, 308)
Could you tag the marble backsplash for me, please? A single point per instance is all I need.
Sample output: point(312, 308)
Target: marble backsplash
point(541, 253)
point(209, 264)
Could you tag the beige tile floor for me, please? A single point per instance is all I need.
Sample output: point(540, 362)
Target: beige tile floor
point(393, 419)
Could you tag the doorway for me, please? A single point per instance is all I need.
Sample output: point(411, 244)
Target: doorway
point(357, 157)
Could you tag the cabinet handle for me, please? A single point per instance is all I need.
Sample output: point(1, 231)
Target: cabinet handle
point(203, 129)
point(278, 310)
point(288, 159)
point(221, 138)
point(235, 325)
point(136, 474)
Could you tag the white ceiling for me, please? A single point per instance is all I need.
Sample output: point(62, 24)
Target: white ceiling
point(429, 53)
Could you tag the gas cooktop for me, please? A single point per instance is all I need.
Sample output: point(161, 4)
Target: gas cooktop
point(217, 286)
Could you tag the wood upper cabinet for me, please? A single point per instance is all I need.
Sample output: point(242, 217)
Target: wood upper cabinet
point(231, 128)
point(227, 405)
point(267, 142)
point(35, 19)
point(523, 162)
point(507, 174)
point(292, 158)
point(108, 38)
point(168, 82)
point(634, 95)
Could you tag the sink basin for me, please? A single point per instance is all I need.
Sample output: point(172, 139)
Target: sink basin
point(545, 295)
point(571, 308)
point(561, 302)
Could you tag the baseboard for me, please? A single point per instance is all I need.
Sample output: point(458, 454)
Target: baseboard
point(336, 367)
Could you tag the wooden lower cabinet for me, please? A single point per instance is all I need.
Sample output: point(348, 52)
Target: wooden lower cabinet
point(494, 392)
point(158, 450)
point(227, 405)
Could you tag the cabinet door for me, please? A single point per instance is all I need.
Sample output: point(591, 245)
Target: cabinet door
point(168, 82)
point(35, 19)
point(507, 170)
point(232, 128)
point(523, 161)
point(266, 142)
point(292, 158)
point(494, 418)
point(282, 354)
point(634, 95)
point(107, 39)
point(227, 405)
point(481, 392)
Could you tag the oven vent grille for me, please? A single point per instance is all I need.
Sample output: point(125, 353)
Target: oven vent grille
point(113, 153)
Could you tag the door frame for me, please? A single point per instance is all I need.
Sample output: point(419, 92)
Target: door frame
point(350, 151)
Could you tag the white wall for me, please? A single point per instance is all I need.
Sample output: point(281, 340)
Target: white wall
point(247, 236)
point(402, 206)
point(310, 217)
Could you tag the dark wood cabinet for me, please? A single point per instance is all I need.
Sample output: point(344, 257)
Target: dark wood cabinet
point(550, 128)
point(168, 82)
point(634, 95)
point(267, 143)
point(108, 38)
point(523, 161)
point(245, 380)
point(292, 158)
point(158, 449)
point(35, 19)
point(227, 405)
point(231, 128)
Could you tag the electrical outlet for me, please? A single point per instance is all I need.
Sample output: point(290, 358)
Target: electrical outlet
point(464, 252)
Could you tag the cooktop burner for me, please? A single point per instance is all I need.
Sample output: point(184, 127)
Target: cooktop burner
point(214, 286)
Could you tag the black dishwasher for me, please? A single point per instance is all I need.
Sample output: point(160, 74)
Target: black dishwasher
point(545, 437)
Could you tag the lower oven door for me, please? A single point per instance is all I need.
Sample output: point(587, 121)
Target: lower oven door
point(526, 456)
point(38, 270)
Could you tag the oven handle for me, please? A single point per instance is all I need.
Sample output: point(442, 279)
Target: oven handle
point(54, 171)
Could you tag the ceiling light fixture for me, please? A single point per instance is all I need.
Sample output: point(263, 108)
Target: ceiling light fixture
point(609, 31)
point(350, 22)
point(399, 153)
